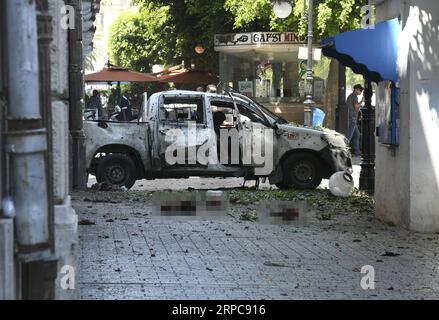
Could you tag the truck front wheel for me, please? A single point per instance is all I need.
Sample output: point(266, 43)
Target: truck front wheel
point(301, 171)
point(117, 169)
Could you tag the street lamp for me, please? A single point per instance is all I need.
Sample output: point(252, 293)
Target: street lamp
point(282, 9)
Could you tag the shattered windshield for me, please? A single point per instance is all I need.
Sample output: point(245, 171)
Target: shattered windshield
point(266, 111)
point(269, 115)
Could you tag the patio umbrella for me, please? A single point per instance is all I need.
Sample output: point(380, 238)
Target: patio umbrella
point(190, 77)
point(119, 74)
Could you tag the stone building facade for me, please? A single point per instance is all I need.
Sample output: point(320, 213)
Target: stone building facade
point(407, 174)
point(38, 226)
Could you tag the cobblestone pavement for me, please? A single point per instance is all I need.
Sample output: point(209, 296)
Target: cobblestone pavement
point(131, 253)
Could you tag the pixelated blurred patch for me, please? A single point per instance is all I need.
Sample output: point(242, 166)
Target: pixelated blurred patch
point(190, 204)
point(284, 212)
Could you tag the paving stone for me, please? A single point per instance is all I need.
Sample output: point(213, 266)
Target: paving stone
point(152, 258)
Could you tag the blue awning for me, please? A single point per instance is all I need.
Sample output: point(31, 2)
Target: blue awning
point(370, 52)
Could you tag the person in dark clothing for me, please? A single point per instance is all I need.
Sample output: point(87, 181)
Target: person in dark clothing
point(353, 110)
point(125, 105)
point(218, 119)
point(96, 103)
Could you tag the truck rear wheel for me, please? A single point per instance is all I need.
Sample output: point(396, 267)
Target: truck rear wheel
point(117, 169)
point(301, 171)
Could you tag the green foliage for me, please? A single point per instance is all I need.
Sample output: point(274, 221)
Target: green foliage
point(167, 31)
point(197, 22)
point(321, 68)
point(141, 39)
point(321, 200)
point(331, 16)
point(171, 30)
point(334, 16)
point(353, 78)
point(249, 216)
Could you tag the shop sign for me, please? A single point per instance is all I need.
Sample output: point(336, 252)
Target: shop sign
point(275, 37)
point(246, 88)
point(257, 38)
point(233, 39)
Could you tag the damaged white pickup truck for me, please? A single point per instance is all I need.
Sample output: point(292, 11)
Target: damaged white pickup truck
point(182, 134)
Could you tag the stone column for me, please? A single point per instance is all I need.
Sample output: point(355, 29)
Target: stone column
point(76, 91)
point(367, 175)
point(66, 220)
point(44, 24)
point(7, 274)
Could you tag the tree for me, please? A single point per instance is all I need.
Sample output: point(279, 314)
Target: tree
point(331, 16)
point(141, 39)
point(167, 31)
point(195, 22)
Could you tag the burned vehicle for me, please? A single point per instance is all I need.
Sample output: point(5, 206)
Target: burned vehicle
point(182, 134)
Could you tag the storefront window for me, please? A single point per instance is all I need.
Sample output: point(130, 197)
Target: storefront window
point(265, 66)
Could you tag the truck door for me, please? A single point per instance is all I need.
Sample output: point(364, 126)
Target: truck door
point(153, 135)
point(257, 140)
point(182, 130)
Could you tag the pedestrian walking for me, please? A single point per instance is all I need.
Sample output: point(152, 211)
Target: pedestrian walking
point(96, 103)
point(353, 107)
point(125, 105)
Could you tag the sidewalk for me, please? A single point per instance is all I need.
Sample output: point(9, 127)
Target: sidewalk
point(129, 253)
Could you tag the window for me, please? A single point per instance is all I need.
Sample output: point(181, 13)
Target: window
point(251, 115)
point(182, 110)
point(246, 113)
point(227, 108)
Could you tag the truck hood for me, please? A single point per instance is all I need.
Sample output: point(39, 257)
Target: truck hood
point(300, 129)
point(333, 138)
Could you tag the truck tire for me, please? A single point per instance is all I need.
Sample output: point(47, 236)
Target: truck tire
point(301, 171)
point(281, 185)
point(117, 169)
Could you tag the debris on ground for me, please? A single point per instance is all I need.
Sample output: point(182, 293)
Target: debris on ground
point(249, 216)
point(86, 222)
point(101, 200)
point(320, 199)
point(390, 254)
point(105, 186)
point(273, 264)
point(324, 216)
